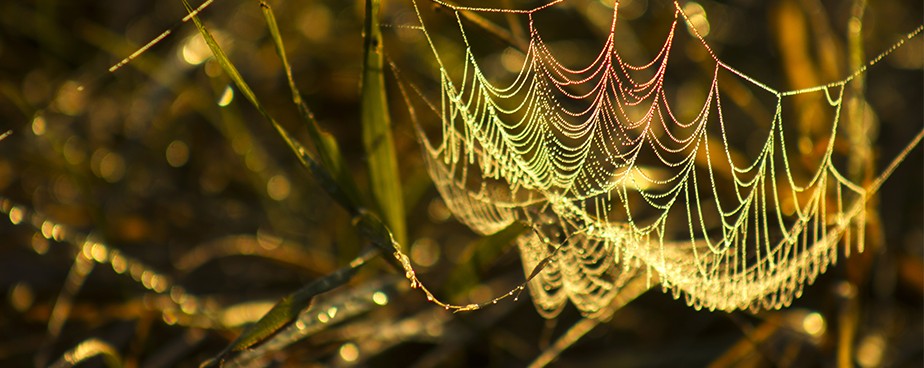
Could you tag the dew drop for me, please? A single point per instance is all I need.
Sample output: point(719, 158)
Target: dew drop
point(226, 97)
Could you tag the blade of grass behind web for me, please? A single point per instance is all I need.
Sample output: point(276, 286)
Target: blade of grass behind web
point(330, 184)
point(285, 312)
point(324, 142)
point(88, 349)
point(376, 126)
point(369, 225)
point(288, 308)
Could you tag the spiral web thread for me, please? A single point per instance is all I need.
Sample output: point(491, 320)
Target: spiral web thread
point(522, 152)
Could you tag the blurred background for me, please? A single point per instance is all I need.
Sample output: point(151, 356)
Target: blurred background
point(166, 163)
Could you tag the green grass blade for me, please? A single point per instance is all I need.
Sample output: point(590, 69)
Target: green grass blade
point(286, 311)
point(376, 124)
point(87, 349)
point(347, 303)
point(320, 173)
point(327, 147)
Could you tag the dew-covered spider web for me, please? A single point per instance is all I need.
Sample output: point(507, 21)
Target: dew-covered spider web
point(617, 182)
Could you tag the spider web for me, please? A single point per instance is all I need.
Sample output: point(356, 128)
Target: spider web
point(615, 182)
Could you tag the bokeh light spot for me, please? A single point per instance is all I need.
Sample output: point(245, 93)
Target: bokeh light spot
point(349, 352)
point(278, 187)
point(226, 97)
point(177, 153)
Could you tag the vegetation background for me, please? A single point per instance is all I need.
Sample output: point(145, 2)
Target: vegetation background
point(164, 162)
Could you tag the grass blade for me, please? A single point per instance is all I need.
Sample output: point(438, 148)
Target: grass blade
point(61, 310)
point(334, 188)
point(324, 142)
point(370, 226)
point(88, 349)
point(345, 305)
point(287, 310)
point(376, 123)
